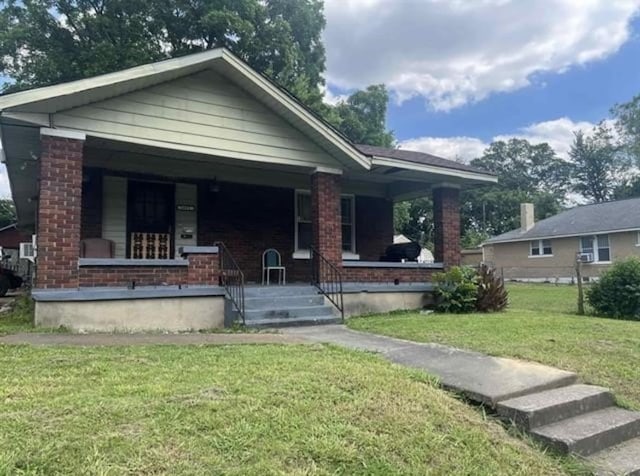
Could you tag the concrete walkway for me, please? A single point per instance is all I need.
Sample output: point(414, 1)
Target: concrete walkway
point(149, 339)
point(480, 377)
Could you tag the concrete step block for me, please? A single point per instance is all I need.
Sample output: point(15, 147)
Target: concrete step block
point(293, 322)
point(619, 460)
point(592, 432)
point(271, 302)
point(288, 312)
point(550, 406)
point(277, 290)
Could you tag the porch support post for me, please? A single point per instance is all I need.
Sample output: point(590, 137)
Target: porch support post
point(326, 219)
point(446, 216)
point(59, 208)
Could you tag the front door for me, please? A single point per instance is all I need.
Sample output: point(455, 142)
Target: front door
point(150, 218)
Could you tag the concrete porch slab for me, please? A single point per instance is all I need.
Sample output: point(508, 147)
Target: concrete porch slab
point(480, 377)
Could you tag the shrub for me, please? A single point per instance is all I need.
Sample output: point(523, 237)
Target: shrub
point(492, 295)
point(456, 290)
point(617, 293)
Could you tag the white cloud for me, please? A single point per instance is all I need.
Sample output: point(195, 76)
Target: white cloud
point(558, 133)
point(330, 98)
point(452, 52)
point(458, 148)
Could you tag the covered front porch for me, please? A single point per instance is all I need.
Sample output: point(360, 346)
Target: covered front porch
point(157, 211)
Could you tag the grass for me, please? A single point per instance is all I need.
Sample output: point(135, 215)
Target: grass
point(19, 318)
point(241, 410)
point(539, 325)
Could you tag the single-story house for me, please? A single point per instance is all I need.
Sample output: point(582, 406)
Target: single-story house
point(596, 234)
point(155, 191)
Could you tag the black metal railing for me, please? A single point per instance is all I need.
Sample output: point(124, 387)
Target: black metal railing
point(231, 278)
point(328, 279)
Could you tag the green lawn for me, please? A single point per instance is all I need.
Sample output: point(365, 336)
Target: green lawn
point(540, 325)
point(19, 319)
point(241, 410)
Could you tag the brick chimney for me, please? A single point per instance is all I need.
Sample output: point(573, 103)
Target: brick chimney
point(527, 218)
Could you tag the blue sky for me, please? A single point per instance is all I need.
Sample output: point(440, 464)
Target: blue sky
point(583, 93)
point(465, 72)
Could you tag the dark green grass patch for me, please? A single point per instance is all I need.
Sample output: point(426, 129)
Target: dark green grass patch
point(240, 410)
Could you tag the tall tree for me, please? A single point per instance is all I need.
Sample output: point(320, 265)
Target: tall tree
point(627, 120)
point(598, 167)
point(7, 212)
point(49, 41)
point(526, 173)
point(362, 117)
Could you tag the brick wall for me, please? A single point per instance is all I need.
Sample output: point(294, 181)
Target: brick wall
point(92, 276)
point(325, 215)
point(249, 219)
point(59, 212)
point(387, 275)
point(203, 269)
point(374, 227)
point(446, 217)
point(91, 218)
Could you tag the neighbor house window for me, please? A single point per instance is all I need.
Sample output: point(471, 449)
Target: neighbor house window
point(303, 237)
point(540, 248)
point(598, 245)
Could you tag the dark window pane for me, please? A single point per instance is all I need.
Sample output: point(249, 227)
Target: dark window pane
point(345, 208)
point(603, 254)
point(535, 248)
point(304, 236)
point(346, 237)
point(304, 207)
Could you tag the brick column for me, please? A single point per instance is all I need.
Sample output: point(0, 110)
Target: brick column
point(204, 265)
point(326, 220)
point(59, 209)
point(446, 217)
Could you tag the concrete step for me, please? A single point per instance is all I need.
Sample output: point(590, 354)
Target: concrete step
point(592, 432)
point(275, 290)
point(289, 322)
point(550, 406)
point(273, 302)
point(288, 312)
point(620, 460)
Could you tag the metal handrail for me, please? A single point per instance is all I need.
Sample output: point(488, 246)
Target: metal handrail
point(232, 278)
point(328, 279)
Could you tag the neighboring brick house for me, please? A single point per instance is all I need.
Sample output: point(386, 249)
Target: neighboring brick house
point(547, 250)
point(197, 150)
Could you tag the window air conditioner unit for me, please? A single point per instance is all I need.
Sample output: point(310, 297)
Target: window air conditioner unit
point(586, 257)
point(28, 250)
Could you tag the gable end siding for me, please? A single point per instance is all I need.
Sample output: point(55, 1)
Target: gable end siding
point(203, 112)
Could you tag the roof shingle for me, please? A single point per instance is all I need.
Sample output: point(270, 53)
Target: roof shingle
point(586, 219)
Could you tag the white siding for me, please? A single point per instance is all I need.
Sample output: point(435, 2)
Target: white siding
point(186, 220)
point(203, 112)
point(114, 212)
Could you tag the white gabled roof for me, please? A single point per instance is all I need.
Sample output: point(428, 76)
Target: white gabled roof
point(50, 99)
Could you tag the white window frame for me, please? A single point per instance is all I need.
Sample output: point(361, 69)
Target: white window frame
point(596, 247)
point(304, 253)
point(540, 249)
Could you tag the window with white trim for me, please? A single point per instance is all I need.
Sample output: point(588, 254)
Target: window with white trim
point(540, 248)
point(303, 236)
point(598, 245)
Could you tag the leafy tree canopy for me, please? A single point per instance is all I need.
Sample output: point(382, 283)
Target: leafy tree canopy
point(598, 165)
point(7, 212)
point(44, 42)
